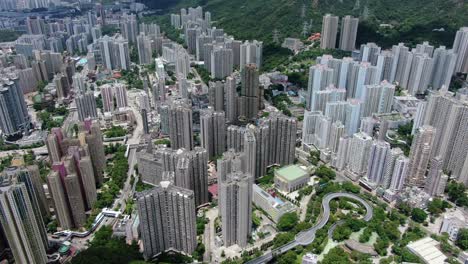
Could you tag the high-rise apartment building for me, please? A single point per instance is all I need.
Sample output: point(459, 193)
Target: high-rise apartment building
point(14, 176)
point(75, 199)
point(235, 199)
point(167, 219)
point(36, 180)
point(216, 95)
point(460, 47)
point(222, 62)
point(251, 53)
point(281, 137)
point(320, 99)
point(448, 114)
point(114, 52)
point(120, 92)
point(377, 158)
point(191, 35)
point(14, 117)
point(213, 132)
point(231, 98)
point(402, 61)
point(378, 99)
point(435, 183)
point(400, 173)
point(349, 27)
point(86, 106)
point(359, 150)
point(329, 32)
point(129, 27)
point(180, 125)
point(369, 53)
point(20, 224)
point(420, 74)
point(425, 48)
point(389, 166)
point(320, 77)
point(93, 137)
point(420, 155)
point(444, 66)
point(86, 172)
point(250, 93)
point(190, 169)
point(145, 53)
point(57, 191)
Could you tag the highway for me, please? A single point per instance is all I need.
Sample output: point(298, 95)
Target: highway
point(306, 237)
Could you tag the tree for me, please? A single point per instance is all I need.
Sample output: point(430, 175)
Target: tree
point(325, 173)
point(437, 206)
point(164, 141)
point(456, 193)
point(282, 238)
point(289, 257)
point(418, 215)
point(288, 221)
point(350, 187)
point(336, 255)
point(41, 85)
point(381, 246)
point(462, 239)
point(52, 226)
point(405, 209)
point(106, 249)
point(341, 232)
point(314, 157)
point(199, 251)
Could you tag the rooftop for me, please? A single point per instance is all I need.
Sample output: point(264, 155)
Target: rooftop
point(427, 250)
point(291, 172)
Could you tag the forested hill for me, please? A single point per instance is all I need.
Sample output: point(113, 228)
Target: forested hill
point(411, 21)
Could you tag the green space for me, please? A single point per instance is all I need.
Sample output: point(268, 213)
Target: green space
point(408, 21)
point(52, 116)
point(107, 249)
point(7, 35)
point(163, 141)
point(314, 157)
point(457, 193)
point(141, 186)
point(403, 133)
point(267, 181)
point(115, 131)
point(132, 78)
point(117, 169)
point(109, 30)
point(204, 74)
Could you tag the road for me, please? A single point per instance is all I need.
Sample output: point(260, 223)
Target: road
point(307, 237)
point(128, 190)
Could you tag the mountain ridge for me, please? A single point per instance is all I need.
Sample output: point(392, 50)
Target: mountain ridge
point(411, 20)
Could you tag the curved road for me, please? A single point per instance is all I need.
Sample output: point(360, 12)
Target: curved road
point(306, 237)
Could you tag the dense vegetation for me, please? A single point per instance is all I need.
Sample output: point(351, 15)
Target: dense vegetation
point(115, 131)
point(106, 249)
point(117, 169)
point(132, 78)
point(7, 35)
point(410, 21)
point(52, 117)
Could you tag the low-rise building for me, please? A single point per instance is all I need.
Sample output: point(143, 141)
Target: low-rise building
point(291, 178)
point(273, 206)
point(293, 44)
point(310, 258)
point(427, 250)
point(452, 223)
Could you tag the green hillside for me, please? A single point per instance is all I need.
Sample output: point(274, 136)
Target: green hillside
point(412, 20)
